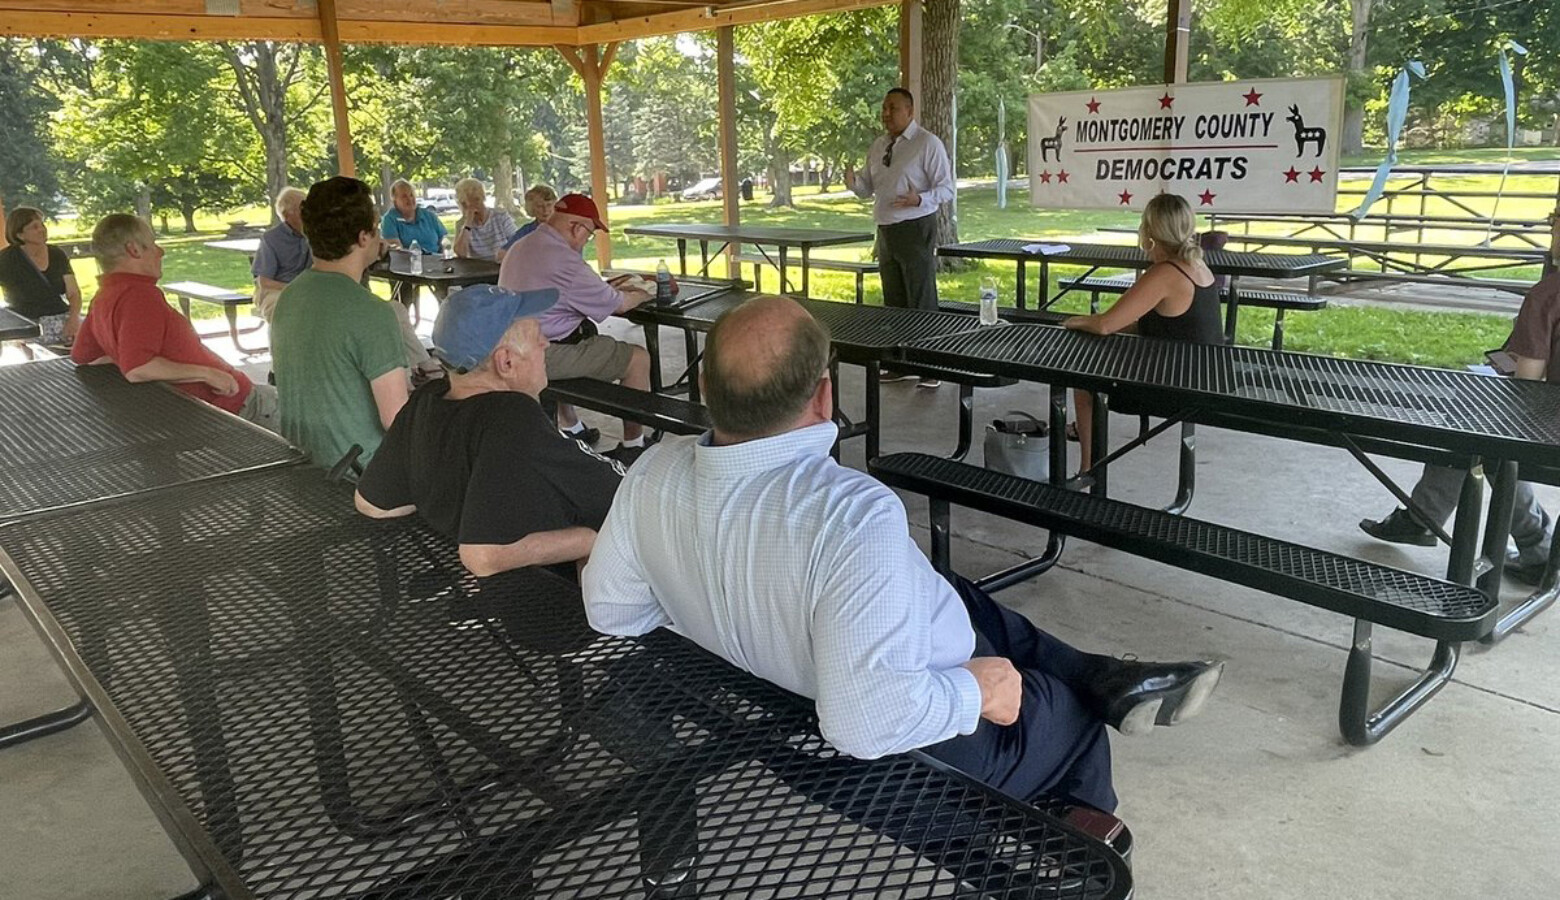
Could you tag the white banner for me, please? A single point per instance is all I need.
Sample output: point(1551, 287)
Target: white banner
point(1264, 145)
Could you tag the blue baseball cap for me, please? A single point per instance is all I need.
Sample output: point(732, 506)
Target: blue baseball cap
point(473, 319)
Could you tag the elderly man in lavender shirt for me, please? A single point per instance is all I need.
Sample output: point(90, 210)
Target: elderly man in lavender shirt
point(549, 257)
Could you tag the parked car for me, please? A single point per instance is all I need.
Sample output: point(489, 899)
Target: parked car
point(441, 200)
point(704, 189)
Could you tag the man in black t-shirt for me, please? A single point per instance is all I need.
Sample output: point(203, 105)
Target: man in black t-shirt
point(477, 457)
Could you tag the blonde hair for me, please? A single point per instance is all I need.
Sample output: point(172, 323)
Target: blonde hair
point(113, 233)
point(289, 198)
point(470, 189)
point(540, 193)
point(1168, 223)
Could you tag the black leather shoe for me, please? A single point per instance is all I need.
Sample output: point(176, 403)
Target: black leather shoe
point(1132, 697)
point(1399, 528)
point(625, 455)
point(589, 435)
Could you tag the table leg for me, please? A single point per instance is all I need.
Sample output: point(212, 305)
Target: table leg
point(805, 270)
point(184, 307)
point(1018, 287)
point(1101, 447)
point(704, 257)
point(653, 347)
point(1232, 310)
point(834, 391)
point(1465, 527)
point(1058, 446)
point(1278, 330)
point(1497, 527)
point(785, 283)
point(874, 409)
point(682, 256)
point(691, 348)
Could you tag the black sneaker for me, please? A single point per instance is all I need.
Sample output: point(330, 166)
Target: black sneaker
point(625, 455)
point(589, 435)
point(1399, 528)
point(1531, 574)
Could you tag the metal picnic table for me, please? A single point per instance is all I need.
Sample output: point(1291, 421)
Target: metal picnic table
point(1095, 256)
point(16, 327)
point(1506, 426)
point(760, 236)
point(320, 704)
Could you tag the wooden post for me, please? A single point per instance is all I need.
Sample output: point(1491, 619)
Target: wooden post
point(592, 69)
point(3, 242)
point(910, 48)
point(725, 54)
point(1178, 29)
point(338, 88)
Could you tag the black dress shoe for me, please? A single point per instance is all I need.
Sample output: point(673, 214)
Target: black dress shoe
point(589, 435)
point(1132, 697)
point(1399, 528)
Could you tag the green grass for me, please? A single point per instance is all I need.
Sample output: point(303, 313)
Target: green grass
point(1368, 332)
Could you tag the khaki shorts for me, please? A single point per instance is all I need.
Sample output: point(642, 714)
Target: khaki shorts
point(599, 357)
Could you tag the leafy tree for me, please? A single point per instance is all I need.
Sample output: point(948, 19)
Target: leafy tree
point(278, 86)
point(27, 168)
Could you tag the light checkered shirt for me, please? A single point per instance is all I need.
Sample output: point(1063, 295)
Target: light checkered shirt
point(773, 556)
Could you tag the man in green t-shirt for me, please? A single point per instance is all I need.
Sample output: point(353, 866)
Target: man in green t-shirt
point(335, 347)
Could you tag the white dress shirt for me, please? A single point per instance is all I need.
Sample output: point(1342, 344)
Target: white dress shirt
point(775, 557)
point(920, 163)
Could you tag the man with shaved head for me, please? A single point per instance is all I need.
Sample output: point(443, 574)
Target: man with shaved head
point(753, 542)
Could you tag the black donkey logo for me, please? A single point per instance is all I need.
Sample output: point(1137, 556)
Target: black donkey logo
point(1304, 135)
point(1054, 142)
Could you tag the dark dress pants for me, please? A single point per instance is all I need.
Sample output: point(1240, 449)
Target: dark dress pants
point(907, 263)
point(1057, 746)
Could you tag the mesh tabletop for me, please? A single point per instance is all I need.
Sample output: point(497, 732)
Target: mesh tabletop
point(16, 327)
point(753, 234)
point(1504, 418)
point(442, 273)
point(1222, 262)
point(333, 708)
point(73, 434)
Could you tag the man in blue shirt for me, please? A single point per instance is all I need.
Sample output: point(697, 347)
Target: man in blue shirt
point(283, 254)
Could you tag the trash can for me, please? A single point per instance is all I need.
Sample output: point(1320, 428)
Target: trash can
point(747, 189)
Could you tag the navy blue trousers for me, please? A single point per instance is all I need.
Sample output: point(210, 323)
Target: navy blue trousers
point(1057, 746)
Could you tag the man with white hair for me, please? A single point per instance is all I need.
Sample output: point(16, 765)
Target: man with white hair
point(283, 254)
point(481, 233)
point(475, 454)
point(131, 325)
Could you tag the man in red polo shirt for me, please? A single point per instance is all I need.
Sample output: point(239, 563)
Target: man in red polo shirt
point(132, 326)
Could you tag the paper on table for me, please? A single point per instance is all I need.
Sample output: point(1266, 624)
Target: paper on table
point(1046, 249)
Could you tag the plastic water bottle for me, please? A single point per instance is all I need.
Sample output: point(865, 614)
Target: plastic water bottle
point(446, 249)
point(663, 283)
point(988, 301)
point(416, 252)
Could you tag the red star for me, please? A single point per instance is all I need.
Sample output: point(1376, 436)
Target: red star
point(1316, 174)
point(1045, 177)
point(1166, 100)
point(1253, 98)
point(1206, 197)
point(1061, 177)
point(1093, 105)
point(1126, 197)
point(1291, 175)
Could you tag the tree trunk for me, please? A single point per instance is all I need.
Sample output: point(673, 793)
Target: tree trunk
point(262, 91)
point(939, 78)
point(386, 178)
point(504, 184)
point(1354, 108)
point(189, 217)
point(779, 167)
point(143, 203)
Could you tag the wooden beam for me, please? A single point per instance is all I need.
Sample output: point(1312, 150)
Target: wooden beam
point(715, 17)
point(726, 81)
point(468, 12)
point(229, 28)
point(1178, 31)
point(596, 134)
point(571, 55)
point(345, 158)
point(608, 56)
point(910, 47)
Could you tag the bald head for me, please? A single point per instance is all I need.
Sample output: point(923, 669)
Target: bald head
point(762, 366)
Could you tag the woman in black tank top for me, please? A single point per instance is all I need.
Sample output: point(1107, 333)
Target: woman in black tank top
point(1175, 299)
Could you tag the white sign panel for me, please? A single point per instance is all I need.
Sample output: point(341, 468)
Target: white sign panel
point(1265, 145)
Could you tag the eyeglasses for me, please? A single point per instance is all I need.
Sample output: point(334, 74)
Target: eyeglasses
point(888, 154)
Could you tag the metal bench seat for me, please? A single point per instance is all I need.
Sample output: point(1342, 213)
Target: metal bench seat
point(1444, 611)
point(861, 268)
point(230, 301)
point(668, 414)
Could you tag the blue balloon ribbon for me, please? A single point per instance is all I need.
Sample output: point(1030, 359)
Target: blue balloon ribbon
point(1511, 127)
point(1397, 113)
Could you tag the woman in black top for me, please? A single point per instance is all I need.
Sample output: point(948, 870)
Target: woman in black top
point(37, 280)
point(1175, 299)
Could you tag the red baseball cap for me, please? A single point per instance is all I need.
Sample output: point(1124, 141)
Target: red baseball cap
point(582, 206)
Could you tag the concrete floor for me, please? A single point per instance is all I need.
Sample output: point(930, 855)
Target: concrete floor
point(1257, 798)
